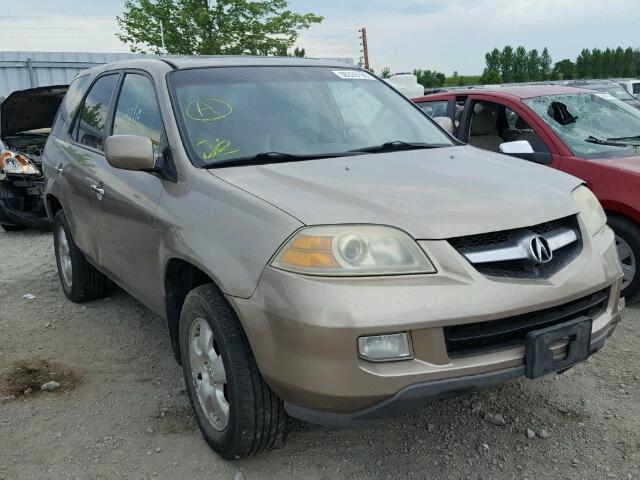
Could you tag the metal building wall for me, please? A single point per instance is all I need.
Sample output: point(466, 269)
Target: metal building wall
point(20, 70)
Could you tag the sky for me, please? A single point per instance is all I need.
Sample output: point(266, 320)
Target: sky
point(445, 35)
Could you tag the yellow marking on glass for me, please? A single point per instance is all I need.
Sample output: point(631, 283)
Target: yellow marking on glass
point(208, 109)
point(217, 148)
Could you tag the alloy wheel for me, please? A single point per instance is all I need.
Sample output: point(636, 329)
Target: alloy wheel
point(64, 257)
point(628, 260)
point(208, 374)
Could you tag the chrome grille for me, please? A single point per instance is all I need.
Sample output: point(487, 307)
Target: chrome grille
point(508, 253)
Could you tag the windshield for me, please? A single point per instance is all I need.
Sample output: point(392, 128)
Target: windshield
point(588, 123)
point(240, 112)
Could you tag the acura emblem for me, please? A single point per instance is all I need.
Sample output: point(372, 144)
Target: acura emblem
point(540, 250)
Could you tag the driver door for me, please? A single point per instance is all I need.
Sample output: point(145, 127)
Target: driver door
point(130, 237)
point(489, 122)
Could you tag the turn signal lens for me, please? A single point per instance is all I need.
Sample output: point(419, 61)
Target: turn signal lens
point(352, 250)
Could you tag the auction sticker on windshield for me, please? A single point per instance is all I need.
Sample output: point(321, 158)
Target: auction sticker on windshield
point(352, 75)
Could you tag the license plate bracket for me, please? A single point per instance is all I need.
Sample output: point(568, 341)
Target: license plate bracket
point(539, 357)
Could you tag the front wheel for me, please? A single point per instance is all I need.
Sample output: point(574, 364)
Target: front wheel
point(628, 243)
point(238, 414)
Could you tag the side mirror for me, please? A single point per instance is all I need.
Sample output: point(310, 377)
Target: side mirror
point(130, 152)
point(445, 123)
point(516, 148)
point(523, 149)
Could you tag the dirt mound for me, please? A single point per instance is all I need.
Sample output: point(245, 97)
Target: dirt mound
point(24, 378)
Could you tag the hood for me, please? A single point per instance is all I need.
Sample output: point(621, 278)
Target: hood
point(431, 194)
point(627, 164)
point(30, 109)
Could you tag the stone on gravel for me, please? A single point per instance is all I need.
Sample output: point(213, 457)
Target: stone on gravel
point(50, 386)
point(495, 419)
point(530, 433)
point(542, 433)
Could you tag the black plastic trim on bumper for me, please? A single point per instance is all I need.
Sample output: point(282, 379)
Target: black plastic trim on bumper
point(28, 219)
point(418, 395)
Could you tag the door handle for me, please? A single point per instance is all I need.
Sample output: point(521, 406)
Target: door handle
point(97, 190)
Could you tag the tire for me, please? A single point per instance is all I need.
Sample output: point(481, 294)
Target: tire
point(628, 241)
point(256, 420)
point(80, 280)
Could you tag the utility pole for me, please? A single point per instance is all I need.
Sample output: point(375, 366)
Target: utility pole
point(365, 47)
point(164, 50)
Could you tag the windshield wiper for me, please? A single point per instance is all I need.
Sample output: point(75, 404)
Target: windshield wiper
point(396, 146)
point(609, 142)
point(274, 157)
point(624, 139)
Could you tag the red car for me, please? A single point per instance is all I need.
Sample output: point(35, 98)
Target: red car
point(586, 133)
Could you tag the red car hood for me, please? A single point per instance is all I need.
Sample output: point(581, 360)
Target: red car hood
point(629, 164)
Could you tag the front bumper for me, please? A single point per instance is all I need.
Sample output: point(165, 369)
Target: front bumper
point(303, 330)
point(24, 204)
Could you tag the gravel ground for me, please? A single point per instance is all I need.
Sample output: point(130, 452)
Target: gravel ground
point(121, 408)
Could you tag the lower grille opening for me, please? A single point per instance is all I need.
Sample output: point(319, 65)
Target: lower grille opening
point(483, 337)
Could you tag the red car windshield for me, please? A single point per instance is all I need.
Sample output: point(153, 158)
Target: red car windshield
point(592, 125)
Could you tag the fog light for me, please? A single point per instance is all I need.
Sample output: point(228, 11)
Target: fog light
point(385, 348)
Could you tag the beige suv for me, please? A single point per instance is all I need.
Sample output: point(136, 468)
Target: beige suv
point(318, 246)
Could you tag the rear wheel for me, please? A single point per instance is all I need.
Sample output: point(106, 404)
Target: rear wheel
point(80, 280)
point(238, 414)
point(628, 243)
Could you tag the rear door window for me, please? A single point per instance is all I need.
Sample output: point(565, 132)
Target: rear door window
point(71, 103)
point(437, 108)
point(91, 125)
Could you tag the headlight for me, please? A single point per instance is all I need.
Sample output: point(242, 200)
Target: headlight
point(17, 163)
point(352, 250)
point(591, 211)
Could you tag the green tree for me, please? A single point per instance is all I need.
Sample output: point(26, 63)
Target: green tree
point(545, 64)
point(607, 63)
point(429, 78)
point(490, 77)
point(618, 62)
point(533, 65)
point(630, 69)
point(211, 27)
point(492, 60)
point(299, 52)
point(520, 67)
point(506, 64)
point(564, 70)
point(596, 63)
point(584, 64)
point(386, 72)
